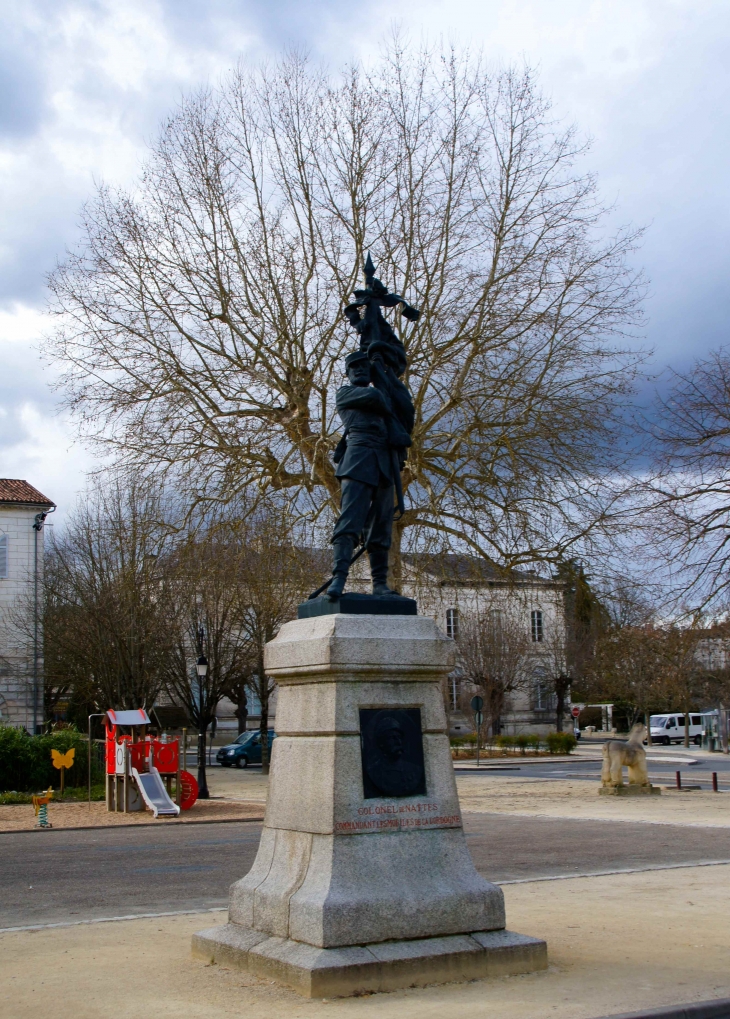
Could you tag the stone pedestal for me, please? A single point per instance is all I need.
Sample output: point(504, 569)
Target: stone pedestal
point(629, 790)
point(363, 880)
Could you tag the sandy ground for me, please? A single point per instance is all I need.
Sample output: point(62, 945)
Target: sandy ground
point(580, 799)
point(242, 793)
point(616, 944)
point(237, 794)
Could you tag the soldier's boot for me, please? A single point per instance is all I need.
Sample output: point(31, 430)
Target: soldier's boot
point(379, 572)
point(342, 554)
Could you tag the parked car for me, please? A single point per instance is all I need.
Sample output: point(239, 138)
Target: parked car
point(668, 729)
point(244, 751)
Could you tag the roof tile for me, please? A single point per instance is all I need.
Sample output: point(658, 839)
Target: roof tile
point(14, 490)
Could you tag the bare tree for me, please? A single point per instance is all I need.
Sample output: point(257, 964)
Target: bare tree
point(237, 691)
point(628, 666)
point(200, 324)
point(106, 622)
point(493, 648)
point(203, 577)
point(683, 671)
point(689, 497)
point(570, 645)
point(273, 575)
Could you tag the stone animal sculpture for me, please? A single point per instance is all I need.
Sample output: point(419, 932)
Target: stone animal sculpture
point(617, 754)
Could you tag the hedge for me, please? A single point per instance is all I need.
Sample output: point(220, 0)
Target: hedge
point(561, 742)
point(25, 761)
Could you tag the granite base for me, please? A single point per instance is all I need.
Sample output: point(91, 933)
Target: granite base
point(629, 790)
point(353, 603)
point(364, 969)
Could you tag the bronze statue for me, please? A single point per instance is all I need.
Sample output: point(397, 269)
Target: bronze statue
point(377, 414)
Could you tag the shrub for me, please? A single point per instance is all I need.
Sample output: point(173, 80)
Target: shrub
point(504, 742)
point(522, 740)
point(560, 742)
point(25, 761)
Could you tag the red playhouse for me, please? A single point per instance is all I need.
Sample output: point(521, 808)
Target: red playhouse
point(140, 768)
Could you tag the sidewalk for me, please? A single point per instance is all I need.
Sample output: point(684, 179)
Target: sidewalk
point(616, 944)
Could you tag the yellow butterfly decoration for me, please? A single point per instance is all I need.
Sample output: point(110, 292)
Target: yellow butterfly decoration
point(63, 761)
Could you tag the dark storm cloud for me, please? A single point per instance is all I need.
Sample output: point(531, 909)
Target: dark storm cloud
point(85, 83)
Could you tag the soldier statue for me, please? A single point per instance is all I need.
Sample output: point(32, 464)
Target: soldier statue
point(377, 414)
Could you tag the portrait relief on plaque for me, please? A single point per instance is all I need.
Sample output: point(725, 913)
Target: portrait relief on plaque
point(392, 752)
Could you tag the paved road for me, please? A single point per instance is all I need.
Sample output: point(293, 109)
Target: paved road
point(57, 876)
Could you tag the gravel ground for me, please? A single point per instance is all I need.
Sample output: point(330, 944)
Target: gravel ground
point(616, 944)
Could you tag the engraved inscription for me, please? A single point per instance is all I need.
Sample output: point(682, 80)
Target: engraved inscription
point(391, 743)
point(389, 816)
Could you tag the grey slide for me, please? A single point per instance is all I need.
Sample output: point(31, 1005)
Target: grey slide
point(154, 793)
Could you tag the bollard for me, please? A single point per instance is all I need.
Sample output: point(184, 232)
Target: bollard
point(714, 782)
point(679, 779)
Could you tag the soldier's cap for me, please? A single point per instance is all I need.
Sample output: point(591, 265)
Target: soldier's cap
point(356, 355)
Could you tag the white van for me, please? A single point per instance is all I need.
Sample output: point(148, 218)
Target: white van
point(668, 729)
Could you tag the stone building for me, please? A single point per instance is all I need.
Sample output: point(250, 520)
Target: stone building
point(522, 612)
point(23, 510)
point(515, 618)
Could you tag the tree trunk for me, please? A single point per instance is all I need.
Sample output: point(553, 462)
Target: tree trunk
point(264, 724)
point(647, 723)
point(686, 728)
point(242, 716)
point(562, 686)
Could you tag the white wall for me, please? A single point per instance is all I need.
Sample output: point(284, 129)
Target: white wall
point(16, 594)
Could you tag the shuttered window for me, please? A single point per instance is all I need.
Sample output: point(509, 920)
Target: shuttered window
point(3, 556)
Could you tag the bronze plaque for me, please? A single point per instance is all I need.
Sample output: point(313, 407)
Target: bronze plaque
point(392, 752)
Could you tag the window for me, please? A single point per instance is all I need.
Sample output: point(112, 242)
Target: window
point(696, 719)
point(495, 622)
point(680, 720)
point(452, 623)
point(3, 557)
point(536, 624)
point(542, 698)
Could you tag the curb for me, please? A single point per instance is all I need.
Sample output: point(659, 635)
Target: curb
point(139, 824)
point(717, 1009)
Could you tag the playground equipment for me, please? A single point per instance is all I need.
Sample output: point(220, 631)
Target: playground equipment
point(140, 769)
point(63, 761)
point(40, 805)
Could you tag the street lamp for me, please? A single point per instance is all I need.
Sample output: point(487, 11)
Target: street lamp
point(201, 667)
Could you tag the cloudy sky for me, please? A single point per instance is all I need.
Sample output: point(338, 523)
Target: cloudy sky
point(84, 84)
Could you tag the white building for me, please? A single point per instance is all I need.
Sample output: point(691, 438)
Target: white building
point(524, 617)
point(23, 510)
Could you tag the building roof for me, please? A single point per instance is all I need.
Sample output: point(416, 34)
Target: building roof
point(14, 490)
point(454, 568)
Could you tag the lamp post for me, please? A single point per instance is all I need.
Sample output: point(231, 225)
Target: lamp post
point(201, 667)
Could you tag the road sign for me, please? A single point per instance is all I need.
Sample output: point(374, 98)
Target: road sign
point(575, 712)
point(478, 716)
point(477, 703)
